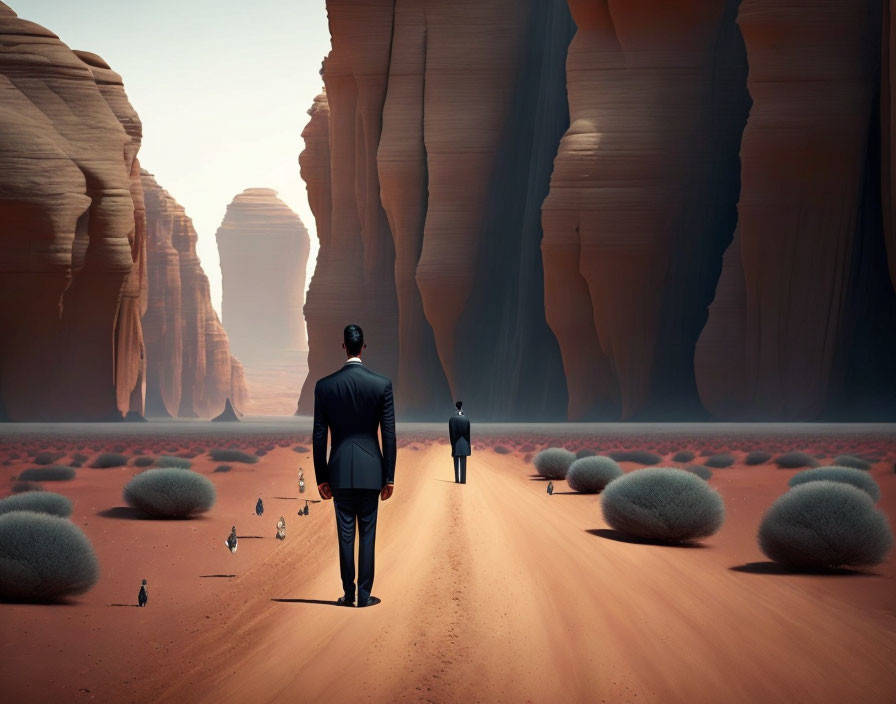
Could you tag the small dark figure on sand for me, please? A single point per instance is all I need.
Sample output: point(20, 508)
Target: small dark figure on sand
point(459, 434)
point(231, 540)
point(281, 529)
point(550, 488)
point(301, 481)
point(306, 507)
point(142, 597)
point(259, 507)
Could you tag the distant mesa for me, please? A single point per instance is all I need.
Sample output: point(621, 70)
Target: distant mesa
point(264, 248)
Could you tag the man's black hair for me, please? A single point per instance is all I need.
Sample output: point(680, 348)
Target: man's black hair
point(458, 404)
point(353, 337)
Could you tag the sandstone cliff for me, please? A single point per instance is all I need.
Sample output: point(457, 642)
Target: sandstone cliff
point(450, 112)
point(190, 371)
point(70, 247)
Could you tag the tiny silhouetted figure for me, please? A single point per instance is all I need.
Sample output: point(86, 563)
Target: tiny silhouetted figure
point(142, 597)
point(301, 481)
point(259, 507)
point(550, 488)
point(231, 540)
point(281, 529)
point(306, 507)
point(459, 433)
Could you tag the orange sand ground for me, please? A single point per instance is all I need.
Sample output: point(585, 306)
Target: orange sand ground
point(492, 591)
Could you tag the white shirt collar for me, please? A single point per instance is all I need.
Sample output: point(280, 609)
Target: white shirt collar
point(354, 359)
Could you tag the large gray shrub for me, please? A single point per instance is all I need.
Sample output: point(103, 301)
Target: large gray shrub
point(53, 473)
point(720, 461)
point(824, 524)
point(757, 457)
point(590, 475)
point(38, 501)
point(170, 493)
point(851, 461)
point(172, 461)
point(223, 454)
point(795, 460)
point(554, 462)
point(44, 557)
point(662, 504)
point(108, 460)
point(846, 475)
point(645, 457)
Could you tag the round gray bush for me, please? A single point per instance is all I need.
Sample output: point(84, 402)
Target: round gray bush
point(824, 524)
point(719, 461)
point(108, 460)
point(590, 475)
point(846, 475)
point(44, 557)
point(703, 472)
point(851, 461)
point(795, 460)
point(757, 457)
point(554, 462)
point(144, 461)
point(170, 493)
point(172, 461)
point(221, 454)
point(38, 501)
point(637, 456)
point(662, 504)
point(20, 487)
point(47, 474)
point(683, 456)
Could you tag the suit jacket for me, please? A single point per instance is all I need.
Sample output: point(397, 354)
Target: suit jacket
point(459, 432)
point(352, 404)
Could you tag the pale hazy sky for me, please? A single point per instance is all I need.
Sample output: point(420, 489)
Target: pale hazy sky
point(221, 86)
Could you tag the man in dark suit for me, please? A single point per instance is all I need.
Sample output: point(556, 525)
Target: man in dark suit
point(459, 432)
point(352, 404)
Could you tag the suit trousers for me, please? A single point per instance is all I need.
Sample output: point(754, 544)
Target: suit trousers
point(356, 506)
point(460, 469)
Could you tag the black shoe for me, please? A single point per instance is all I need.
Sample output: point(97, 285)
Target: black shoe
point(345, 601)
point(372, 601)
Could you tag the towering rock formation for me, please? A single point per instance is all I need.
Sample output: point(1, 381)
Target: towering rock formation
point(70, 245)
point(263, 247)
point(462, 167)
point(807, 226)
point(191, 372)
point(130, 353)
point(642, 200)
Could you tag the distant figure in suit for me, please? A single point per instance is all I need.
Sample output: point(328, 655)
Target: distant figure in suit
point(281, 529)
point(301, 481)
point(142, 597)
point(550, 488)
point(306, 507)
point(259, 507)
point(459, 432)
point(352, 404)
point(231, 541)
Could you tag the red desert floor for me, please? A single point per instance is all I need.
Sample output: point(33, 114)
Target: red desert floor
point(491, 592)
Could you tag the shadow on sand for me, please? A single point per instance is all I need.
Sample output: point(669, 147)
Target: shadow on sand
point(136, 606)
point(287, 498)
point(610, 534)
point(778, 568)
point(243, 537)
point(322, 602)
point(217, 575)
point(135, 515)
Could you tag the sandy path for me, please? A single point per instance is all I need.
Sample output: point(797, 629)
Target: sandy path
point(495, 592)
point(491, 591)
